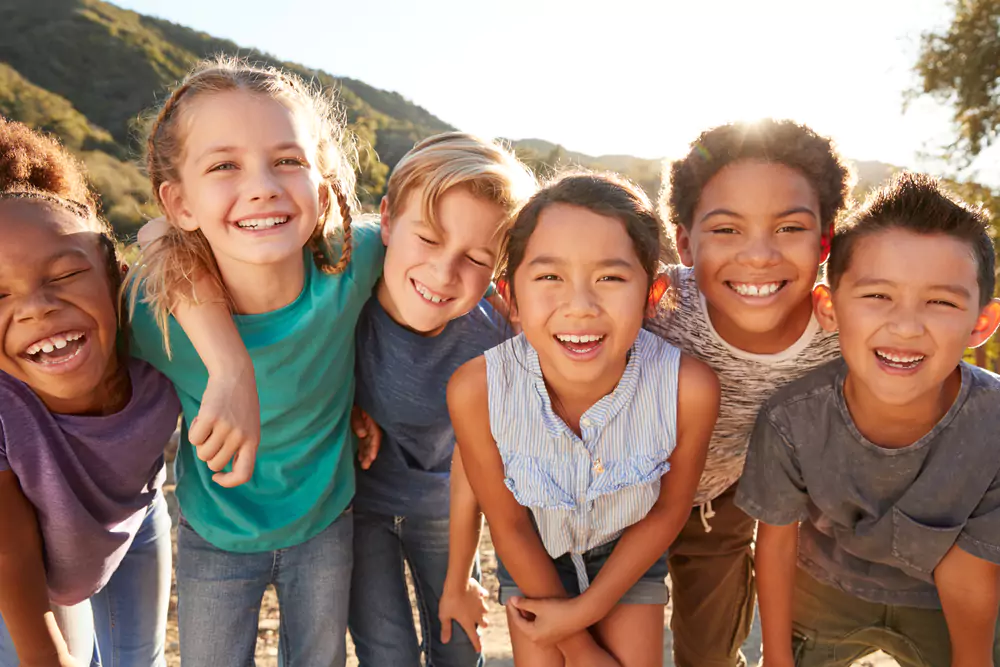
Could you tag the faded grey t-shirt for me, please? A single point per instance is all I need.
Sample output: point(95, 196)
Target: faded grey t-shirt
point(746, 379)
point(877, 521)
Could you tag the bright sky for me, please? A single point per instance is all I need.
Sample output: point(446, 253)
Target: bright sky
point(641, 77)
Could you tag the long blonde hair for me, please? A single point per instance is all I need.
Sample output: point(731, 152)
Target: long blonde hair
point(166, 269)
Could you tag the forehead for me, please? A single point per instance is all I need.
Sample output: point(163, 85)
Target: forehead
point(460, 215)
point(32, 230)
point(572, 232)
point(758, 186)
point(894, 254)
point(241, 119)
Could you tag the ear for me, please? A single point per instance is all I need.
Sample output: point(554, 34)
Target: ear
point(986, 323)
point(503, 289)
point(172, 196)
point(684, 250)
point(825, 242)
point(383, 211)
point(659, 287)
point(823, 307)
point(325, 190)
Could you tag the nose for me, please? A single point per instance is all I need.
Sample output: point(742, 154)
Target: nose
point(760, 251)
point(905, 321)
point(263, 186)
point(36, 307)
point(581, 301)
point(445, 269)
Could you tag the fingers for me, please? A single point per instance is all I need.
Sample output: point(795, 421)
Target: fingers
point(359, 423)
point(445, 628)
point(201, 429)
point(470, 630)
point(234, 440)
point(242, 472)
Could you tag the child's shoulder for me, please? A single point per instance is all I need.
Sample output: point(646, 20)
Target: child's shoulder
point(984, 396)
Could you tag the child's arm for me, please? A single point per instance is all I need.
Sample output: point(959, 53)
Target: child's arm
point(463, 599)
point(775, 564)
point(510, 524)
point(228, 424)
point(969, 588)
point(644, 542)
point(24, 598)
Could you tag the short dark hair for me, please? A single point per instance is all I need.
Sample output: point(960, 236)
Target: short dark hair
point(917, 203)
point(602, 193)
point(774, 141)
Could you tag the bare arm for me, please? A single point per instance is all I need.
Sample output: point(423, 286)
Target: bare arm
point(228, 423)
point(646, 541)
point(513, 534)
point(969, 588)
point(24, 598)
point(776, 563)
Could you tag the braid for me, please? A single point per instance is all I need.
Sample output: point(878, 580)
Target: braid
point(345, 217)
point(153, 156)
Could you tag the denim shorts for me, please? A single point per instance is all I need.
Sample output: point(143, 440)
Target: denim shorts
point(650, 589)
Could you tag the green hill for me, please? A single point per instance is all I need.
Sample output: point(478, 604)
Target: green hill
point(86, 71)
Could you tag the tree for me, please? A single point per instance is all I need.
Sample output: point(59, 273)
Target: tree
point(960, 66)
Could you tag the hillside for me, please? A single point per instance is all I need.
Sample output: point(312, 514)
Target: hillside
point(87, 71)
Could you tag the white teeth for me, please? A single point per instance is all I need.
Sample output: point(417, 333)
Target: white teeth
point(262, 223)
point(749, 289)
point(571, 338)
point(428, 295)
point(56, 342)
point(900, 359)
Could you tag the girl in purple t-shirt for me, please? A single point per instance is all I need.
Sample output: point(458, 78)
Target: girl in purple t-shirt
point(84, 531)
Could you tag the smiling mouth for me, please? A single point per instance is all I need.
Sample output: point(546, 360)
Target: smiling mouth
point(580, 343)
point(255, 224)
point(758, 290)
point(429, 296)
point(56, 350)
point(904, 361)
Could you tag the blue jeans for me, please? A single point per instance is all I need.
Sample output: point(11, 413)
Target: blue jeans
point(219, 595)
point(125, 623)
point(381, 618)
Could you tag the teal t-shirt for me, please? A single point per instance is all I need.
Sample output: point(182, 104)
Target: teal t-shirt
point(303, 357)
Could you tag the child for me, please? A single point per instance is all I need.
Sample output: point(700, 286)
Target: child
point(85, 536)
point(448, 205)
point(250, 168)
point(887, 457)
point(566, 430)
point(753, 207)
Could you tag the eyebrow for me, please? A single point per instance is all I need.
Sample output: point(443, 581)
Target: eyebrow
point(214, 150)
point(611, 263)
point(957, 290)
point(733, 214)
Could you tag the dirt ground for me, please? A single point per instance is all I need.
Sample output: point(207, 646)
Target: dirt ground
point(496, 641)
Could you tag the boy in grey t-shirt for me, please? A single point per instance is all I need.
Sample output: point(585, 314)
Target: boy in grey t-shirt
point(887, 457)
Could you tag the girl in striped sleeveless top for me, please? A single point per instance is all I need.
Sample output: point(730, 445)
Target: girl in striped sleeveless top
point(578, 442)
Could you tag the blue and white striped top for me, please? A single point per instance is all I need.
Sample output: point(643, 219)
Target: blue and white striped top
point(583, 492)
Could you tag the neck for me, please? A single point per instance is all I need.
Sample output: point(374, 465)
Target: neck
point(778, 339)
point(109, 397)
point(571, 399)
point(262, 288)
point(896, 426)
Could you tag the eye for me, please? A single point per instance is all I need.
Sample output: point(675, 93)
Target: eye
point(611, 279)
point(875, 296)
point(476, 262)
point(291, 161)
point(792, 228)
point(547, 277)
point(724, 230)
point(941, 302)
point(428, 241)
point(222, 166)
point(67, 276)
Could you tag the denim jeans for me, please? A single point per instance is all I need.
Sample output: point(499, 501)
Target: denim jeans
point(219, 595)
point(381, 618)
point(125, 623)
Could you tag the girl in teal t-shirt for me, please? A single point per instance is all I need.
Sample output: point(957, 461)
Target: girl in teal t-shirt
point(250, 168)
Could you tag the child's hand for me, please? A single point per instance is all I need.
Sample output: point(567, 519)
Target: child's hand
point(465, 605)
point(369, 435)
point(550, 621)
point(228, 428)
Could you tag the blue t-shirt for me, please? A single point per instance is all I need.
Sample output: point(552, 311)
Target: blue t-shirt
point(303, 357)
point(402, 379)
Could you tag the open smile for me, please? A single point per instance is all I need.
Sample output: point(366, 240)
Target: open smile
point(262, 224)
point(580, 346)
point(757, 290)
point(429, 295)
point(60, 353)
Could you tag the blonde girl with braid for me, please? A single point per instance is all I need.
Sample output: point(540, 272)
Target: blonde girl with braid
point(252, 169)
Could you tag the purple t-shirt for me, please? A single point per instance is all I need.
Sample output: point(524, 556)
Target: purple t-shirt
point(89, 478)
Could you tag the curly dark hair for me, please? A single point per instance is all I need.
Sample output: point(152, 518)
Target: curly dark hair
point(602, 193)
point(917, 203)
point(31, 161)
point(775, 141)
